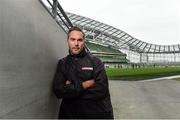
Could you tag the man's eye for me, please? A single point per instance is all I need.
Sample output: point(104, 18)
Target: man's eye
point(80, 40)
point(72, 39)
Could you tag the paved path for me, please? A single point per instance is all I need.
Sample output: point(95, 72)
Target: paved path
point(148, 99)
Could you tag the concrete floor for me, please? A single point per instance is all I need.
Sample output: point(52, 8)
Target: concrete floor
point(146, 100)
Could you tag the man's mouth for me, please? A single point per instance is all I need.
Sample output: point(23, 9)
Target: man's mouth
point(75, 48)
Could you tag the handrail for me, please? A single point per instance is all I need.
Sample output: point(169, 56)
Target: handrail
point(57, 12)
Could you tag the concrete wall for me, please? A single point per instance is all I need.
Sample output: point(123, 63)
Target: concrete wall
point(31, 43)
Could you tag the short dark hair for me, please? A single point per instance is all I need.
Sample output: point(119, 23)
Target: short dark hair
point(75, 28)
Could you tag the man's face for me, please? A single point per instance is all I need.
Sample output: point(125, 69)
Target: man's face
point(75, 42)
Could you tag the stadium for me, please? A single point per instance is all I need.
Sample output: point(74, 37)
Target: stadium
point(143, 77)
point(113, 45)
point(117, 49)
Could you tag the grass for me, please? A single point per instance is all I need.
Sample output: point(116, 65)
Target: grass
point(141, 73)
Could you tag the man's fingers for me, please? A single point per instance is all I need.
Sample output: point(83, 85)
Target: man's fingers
point(91, 83)
point(88, 84)
point(68, 82)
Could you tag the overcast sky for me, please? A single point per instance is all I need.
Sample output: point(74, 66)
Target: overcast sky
point(153, 21)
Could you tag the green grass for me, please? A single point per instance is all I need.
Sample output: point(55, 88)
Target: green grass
point(141, 73)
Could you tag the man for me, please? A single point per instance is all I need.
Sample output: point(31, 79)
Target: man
point(81, 81)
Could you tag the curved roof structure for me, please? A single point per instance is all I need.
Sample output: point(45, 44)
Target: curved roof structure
point(110, 36)
point(137, 51)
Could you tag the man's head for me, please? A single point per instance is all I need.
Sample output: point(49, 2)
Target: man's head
point(75, 40)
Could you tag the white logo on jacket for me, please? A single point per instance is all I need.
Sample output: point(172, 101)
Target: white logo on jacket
point(87, 68)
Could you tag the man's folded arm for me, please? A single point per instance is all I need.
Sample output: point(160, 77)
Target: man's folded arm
point(60, 86)
point(100, 88)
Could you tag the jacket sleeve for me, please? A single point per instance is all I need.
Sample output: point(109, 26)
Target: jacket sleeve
point(59, 81)
point(60, 89)
point(100, 90)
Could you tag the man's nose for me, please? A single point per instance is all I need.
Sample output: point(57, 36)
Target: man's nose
point(76, 42)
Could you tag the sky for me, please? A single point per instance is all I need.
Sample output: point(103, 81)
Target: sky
point(152, 21)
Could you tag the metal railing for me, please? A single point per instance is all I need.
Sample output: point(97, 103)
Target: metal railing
point(57, 12)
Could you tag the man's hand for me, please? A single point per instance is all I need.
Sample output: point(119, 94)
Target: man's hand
point(68, 82)
point(88, 84)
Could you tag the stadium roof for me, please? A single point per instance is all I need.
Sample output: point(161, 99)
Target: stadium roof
point(107, 35)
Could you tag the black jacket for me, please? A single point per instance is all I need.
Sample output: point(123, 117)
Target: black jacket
point(77, 102)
